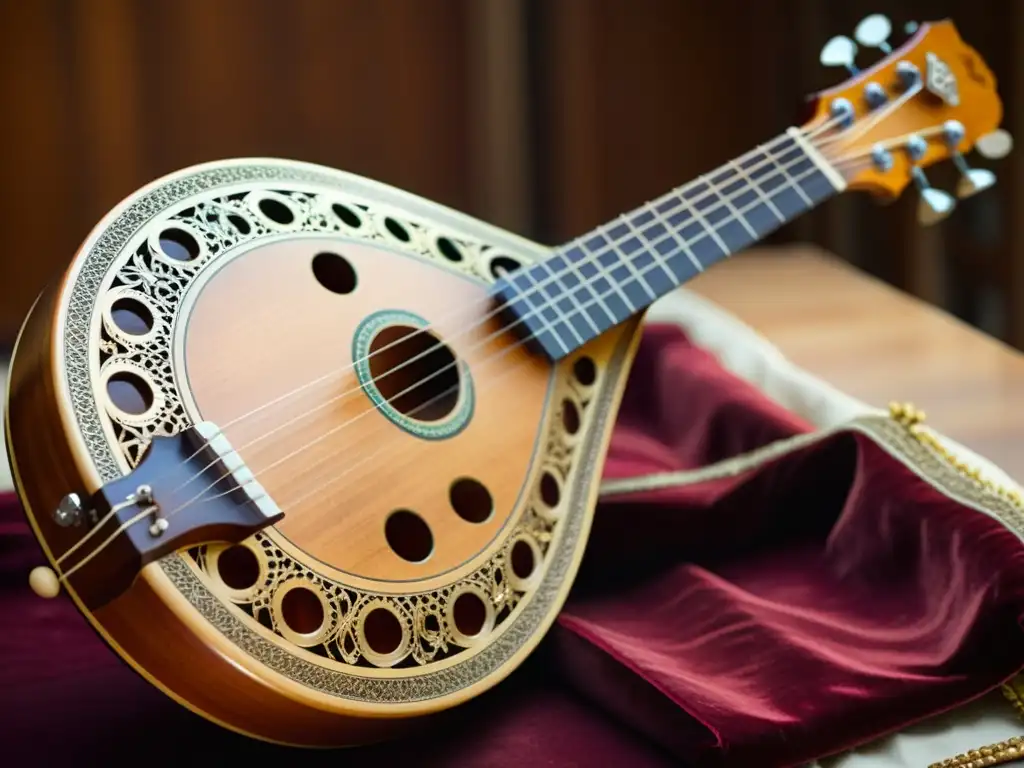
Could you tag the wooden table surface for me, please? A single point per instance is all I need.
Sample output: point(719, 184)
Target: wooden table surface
point(878, 345)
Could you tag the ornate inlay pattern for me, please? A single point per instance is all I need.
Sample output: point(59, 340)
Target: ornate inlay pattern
point(219, 208)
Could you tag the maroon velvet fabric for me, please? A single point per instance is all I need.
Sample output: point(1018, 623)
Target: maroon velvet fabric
point(808, 605)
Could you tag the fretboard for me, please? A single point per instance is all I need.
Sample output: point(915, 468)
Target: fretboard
point(622, 267)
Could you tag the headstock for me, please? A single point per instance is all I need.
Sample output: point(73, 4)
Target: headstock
point(933, 99)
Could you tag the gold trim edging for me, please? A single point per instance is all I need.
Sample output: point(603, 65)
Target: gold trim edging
point(1000, 753)
point(903, 435)
point(1012, 749)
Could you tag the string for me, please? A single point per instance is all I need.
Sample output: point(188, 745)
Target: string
point(597, 298)
point(145, 513)
point(523, 341)
point(415, 385)
point(593, 260)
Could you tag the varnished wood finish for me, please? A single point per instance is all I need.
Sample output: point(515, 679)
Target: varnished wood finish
point(154, 626)
point(330, 436)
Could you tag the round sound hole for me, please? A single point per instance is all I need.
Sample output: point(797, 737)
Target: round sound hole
point(409, 536)
point(523, 562)
point(129, 393)
point(550, 491)
point(347, 215)
point(415, 372)
point(585, 371)
point(334, 272)
point(276, 211)
point(132, 316)
point(469, 614)
point(471, 500)
point(449, 249)
point(397, 229)
point(570, 417)
point(383, 631)
point(302, 611)
point(178, 244)
point(238, 568)
point(502, 264)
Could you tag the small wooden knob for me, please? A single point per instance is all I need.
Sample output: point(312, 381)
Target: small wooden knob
point(44, 582)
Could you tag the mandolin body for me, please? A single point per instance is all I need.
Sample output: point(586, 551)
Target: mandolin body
point(422, 554)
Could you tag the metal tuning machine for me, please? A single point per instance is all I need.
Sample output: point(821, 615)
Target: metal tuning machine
point(873, 32)
point(972, 180)
point(934, 205)
point(840, 51)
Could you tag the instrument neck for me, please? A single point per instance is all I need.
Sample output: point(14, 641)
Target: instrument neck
point(620, 268)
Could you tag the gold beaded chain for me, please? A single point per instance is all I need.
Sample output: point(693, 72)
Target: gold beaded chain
point(999, 753)
point(1012, 749)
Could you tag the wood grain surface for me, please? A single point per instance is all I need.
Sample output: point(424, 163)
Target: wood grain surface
point(878, 344)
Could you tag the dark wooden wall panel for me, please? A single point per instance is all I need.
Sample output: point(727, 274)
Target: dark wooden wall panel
point(102, 96)
point(638, 97)
point(545, 116)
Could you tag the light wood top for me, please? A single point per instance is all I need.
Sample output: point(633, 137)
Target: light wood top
point(878, 344)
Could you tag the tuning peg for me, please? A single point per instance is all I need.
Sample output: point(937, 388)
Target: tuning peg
point(994, 145)
point(910, 27)
point(840, 51)
point(972, 180)
point(935, 205)
point(873, 32)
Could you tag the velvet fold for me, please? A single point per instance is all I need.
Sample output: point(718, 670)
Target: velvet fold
point(763, 615)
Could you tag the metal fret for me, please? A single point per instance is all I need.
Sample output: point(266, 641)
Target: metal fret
point(732, 207)
point(683, 245)
point(594, 261)
point(642, 255)
point(754, 185)
point(552, 290)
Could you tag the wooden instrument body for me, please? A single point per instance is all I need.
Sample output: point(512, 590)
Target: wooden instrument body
point(243, 321)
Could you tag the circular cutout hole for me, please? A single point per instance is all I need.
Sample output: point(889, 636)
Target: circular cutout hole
point(129, 392)
point(585, 371)
point(502, 264)
point(469, 614)
point(131, 316)
point(523, 561)
point(415, 372)
point(448, 249)
point(396, 229)
point(238, 567)
point(178, 244)
point(570, 416)
point(347, 215)
point(550, 493)
point(471, 500)
point(240, 224)
point(409, 536)
point(302, 611)
point(334, 272)
point(383, 631)
point(276, 211)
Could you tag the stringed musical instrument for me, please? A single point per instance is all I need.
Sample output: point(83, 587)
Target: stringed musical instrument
point(318, 457)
